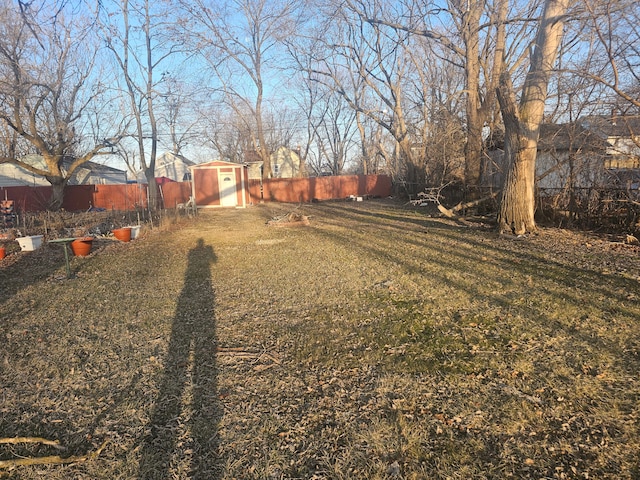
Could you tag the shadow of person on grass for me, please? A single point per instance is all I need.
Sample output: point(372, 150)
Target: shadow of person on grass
point(184, 422)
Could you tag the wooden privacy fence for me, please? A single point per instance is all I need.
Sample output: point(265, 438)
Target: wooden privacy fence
point(83, 197)
point(305, 190)
point(132, 196)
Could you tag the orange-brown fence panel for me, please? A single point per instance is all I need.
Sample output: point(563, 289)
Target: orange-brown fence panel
point(377, 185)
point(287, 190)
point(255, 190)
point(120, 197)
point(78, 197)
point(174, 193)
point(132, 196)
point(27, 199)
point(293, 190)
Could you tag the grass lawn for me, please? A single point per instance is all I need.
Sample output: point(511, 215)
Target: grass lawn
point(375, 343)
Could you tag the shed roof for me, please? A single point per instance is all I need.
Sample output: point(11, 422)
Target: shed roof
point(217, 163)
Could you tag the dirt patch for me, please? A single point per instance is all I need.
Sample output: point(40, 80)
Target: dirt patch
point(378, 342)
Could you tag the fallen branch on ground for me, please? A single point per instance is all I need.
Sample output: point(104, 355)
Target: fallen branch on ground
point(289, 220)
point(451, 212)
point(239, 352)
point(51, 460)
point(44, 441)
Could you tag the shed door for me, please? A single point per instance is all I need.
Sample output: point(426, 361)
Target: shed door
point(227, 183)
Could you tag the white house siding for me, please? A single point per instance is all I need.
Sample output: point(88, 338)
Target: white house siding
point(554, 170)
point(13, 176)
point(170, 165)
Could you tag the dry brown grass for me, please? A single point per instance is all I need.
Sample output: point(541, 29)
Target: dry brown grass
point(375, 343)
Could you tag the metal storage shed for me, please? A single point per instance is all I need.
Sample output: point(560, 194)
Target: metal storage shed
point(220, 184)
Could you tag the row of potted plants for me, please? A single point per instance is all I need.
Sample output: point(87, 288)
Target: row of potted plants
point(81, 247)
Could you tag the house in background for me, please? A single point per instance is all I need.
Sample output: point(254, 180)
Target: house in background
point(171, 166)
point(622, 136)
point(569, 155)
point(285, 163)
point(92, 173)
point(593, 151)
point(89, 173)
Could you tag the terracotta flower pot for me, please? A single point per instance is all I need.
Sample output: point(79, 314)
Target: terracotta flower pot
point(81, 247)
point(3, 252)
point(122, 234)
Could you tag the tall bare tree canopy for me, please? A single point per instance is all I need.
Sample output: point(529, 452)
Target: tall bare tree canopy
point(240, 42)
point(610, 32)
point(50, 99)
point(405, 87)
point(141, 36)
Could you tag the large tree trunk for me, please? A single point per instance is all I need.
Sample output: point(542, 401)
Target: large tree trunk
point(363, 144)
point(473, 148)
point(265, 155)
point(153, 202)
point(475, 121)
point(58, 184)
point(56, 178)
point(522, 126)
point(517, 207)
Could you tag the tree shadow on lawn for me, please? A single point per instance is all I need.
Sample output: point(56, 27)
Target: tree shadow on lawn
point(460, 266)
point(395, 216)
point(485, 246)
point(188, 390)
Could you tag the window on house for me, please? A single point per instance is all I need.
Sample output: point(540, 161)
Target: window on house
point(276, 170)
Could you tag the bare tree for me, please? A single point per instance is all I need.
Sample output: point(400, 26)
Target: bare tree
point(231, 133)
point(611, 32)
point(436, 113)
point(370, 69)
point(228, 135)
point(47, 87)
point(138, 34)
point(12, 145)
point(240, 40)
point(522, 122)
point(331, 127)
point(471, 36)
point(375, 144)
point(329, 119)
point(178, 112)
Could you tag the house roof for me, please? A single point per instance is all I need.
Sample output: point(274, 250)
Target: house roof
point(169, 157)
point(92, 169)
point(14, 175)
point(38, 161)
point(251, 156)
point(611, 126)
point(587, 133)
point(100, 168)
point(568, 136)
